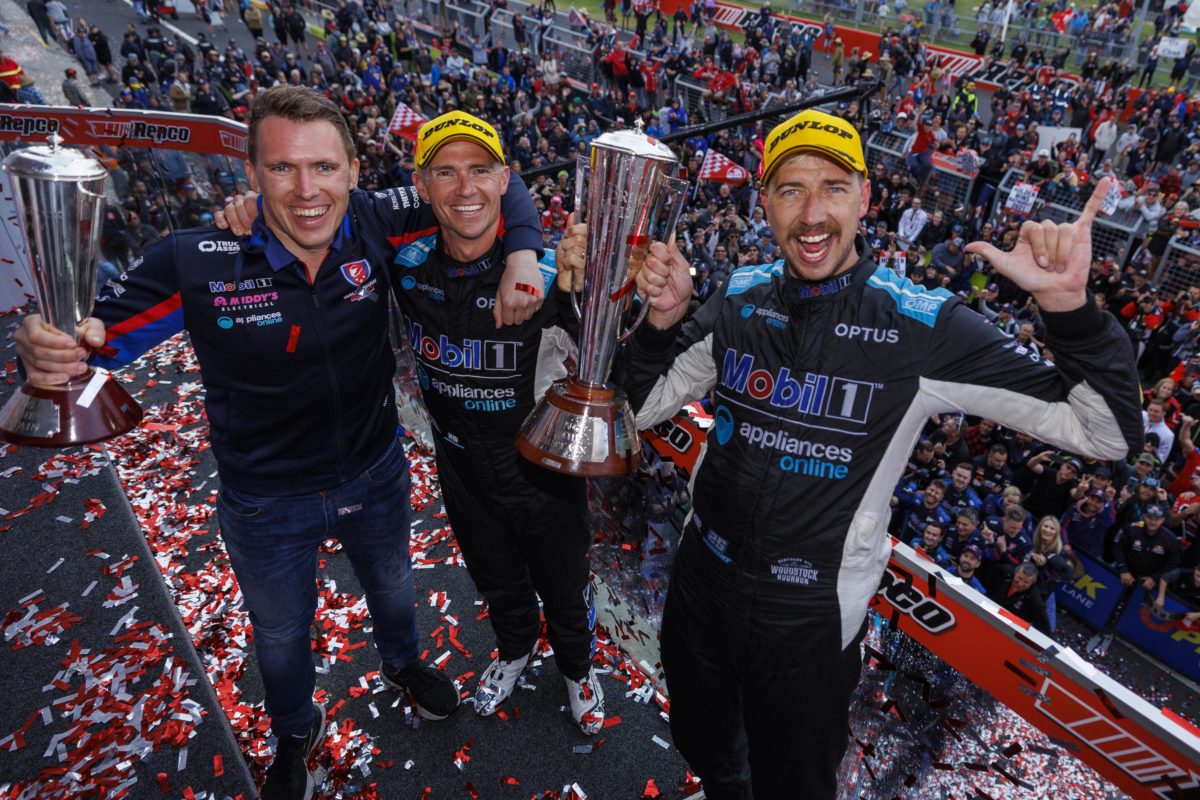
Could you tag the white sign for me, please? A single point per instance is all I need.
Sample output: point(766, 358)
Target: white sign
point(1021, 198)
point(1172, 47)
point(1109, 204)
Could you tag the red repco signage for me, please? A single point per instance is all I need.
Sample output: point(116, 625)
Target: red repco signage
point(124, 128)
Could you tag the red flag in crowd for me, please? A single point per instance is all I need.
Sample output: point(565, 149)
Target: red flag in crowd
point(721, 169)
point(405, 122)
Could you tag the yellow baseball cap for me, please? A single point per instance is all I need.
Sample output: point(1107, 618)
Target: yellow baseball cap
point(816, 132)
point(456, 125)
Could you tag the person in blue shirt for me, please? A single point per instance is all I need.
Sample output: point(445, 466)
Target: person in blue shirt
point(930, 543)
point(921, 508)
point(959, 493)
point(290, 328)
point(968, 567)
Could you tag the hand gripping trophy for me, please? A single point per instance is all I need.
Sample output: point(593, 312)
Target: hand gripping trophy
point(628, 193)
point(60, 199)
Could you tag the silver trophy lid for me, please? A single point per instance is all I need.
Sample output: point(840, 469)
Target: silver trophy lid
point(52, 162)
point(635, 142)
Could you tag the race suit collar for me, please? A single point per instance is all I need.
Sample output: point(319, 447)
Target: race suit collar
point(803, 291)
point(466, 269)
point(262, 240)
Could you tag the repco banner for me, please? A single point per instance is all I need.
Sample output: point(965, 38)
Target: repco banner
point(955, 62)
point(98, 127)
point(1147, 752)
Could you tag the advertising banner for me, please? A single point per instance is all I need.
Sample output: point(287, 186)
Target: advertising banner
point(1145, 751)
point(100, 127)
point(1092, 596)
point(1166, 635)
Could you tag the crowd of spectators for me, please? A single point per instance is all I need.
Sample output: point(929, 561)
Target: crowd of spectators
point(1004, 511)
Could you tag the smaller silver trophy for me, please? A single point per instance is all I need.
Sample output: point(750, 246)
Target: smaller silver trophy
point(60, 199)
point(628, 193)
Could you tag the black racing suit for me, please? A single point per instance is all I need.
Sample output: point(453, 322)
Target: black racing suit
point(522, 528)
point(821, 391)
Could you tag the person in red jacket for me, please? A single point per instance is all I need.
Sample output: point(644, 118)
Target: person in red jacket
point(10, 71)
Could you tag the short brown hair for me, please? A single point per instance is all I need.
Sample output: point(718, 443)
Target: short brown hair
point(297, 104)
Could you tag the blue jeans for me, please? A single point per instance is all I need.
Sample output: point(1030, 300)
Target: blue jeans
point(272, 544)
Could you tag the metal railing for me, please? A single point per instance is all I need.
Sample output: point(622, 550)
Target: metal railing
point(1179, 267)
point(1112, 235)
point(943, 27)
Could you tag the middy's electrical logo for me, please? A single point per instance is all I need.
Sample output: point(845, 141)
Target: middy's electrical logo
point(828, 396)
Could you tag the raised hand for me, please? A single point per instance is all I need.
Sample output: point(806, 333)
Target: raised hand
point(667, 282)
point(1051, 260)
point(238, 216)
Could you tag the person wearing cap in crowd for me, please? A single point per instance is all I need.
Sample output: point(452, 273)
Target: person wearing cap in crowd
point(947, 259)
point(522, 529)
point(1015, 589)
point(1146, 550)
point(72, 90)
point(1088, 522)
point(1049, 489)
point(29, 93)
point(764, 600)
point(315, 437)
point(967, 568)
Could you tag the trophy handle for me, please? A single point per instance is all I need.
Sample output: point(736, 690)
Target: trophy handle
point(583, 171)
point(664, 218)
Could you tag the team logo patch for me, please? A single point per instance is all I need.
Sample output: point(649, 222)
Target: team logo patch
point(356, 272)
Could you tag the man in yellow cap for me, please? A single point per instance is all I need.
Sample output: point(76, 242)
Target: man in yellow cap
point(522, 529)
point(824, 368)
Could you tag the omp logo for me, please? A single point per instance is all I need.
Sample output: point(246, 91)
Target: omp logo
point(28, 126)
point(137, 129)
point(908, 599)
point(469, 354)
point(218, 246)
point(820, 395)
point(920, 305)
point(237, 142)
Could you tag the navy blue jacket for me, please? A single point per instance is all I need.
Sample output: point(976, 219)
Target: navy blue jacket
point(298, 376)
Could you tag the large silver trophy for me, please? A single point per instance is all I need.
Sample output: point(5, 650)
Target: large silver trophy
point(60, 199)
point(628, 193)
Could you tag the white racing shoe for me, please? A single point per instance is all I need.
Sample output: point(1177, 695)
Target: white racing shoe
point(497, 683)
point(587, 702)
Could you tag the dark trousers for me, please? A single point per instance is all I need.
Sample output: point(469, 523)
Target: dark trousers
point(521, 541)
point(273, 547)
point(753, 720)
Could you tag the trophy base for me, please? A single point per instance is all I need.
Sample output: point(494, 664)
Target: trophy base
point(581, 430)
point(76, 412)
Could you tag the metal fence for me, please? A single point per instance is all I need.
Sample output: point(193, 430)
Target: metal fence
point(888, 149)
point(943, 27)
point(1179, 268)
point(1114, 235)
